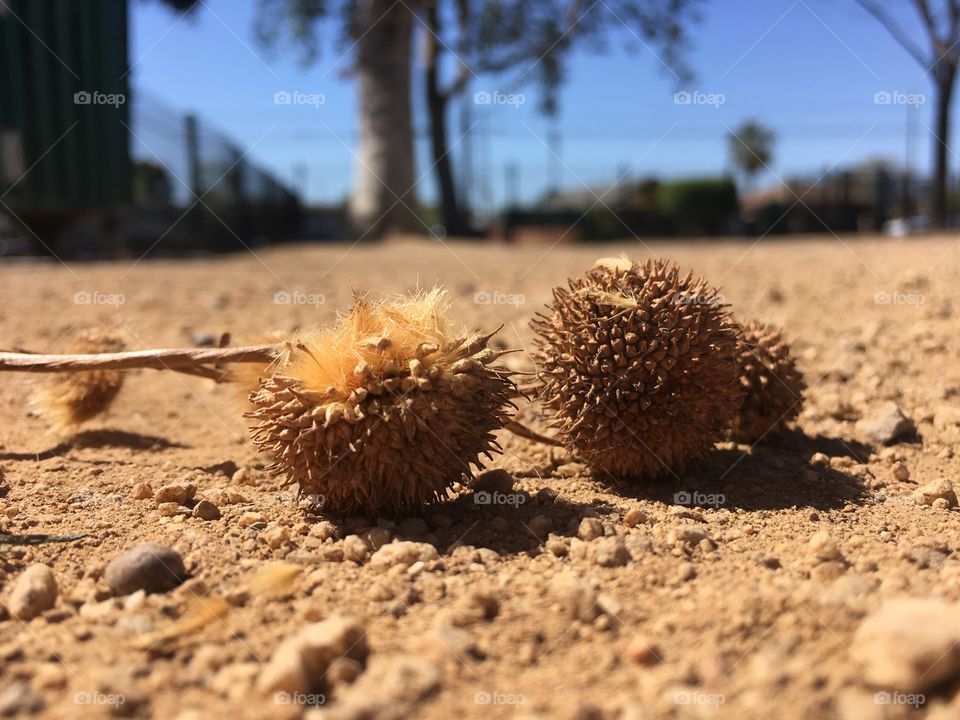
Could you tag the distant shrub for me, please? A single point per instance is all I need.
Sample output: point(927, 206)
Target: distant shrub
point(699, 206)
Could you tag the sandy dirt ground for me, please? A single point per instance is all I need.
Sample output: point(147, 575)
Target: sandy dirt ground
point(814, 575)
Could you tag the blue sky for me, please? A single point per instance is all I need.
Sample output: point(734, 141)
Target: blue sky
point(809, 69)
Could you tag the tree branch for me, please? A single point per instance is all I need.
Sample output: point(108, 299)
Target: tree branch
point(895, 30)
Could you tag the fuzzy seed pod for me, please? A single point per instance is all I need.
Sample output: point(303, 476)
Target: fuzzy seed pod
point(385, 411)
point(773, 386)
point(637, 364)
point(69, 399)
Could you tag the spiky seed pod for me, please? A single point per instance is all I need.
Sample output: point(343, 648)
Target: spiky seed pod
point(384, 411)
point(69, 399)
point(773, 386)
point(637, 364)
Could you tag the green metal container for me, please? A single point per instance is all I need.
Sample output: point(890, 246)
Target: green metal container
point(64, 107)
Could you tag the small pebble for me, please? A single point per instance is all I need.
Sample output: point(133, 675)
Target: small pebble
point(643, 652)
point(142, 491)
point(274, 535)
point(242, 477)
point(402, 553)
point(180, 493)
point(823, 547)
point(687, 572)
point(558, 547)
point(611, 552)
point(206, 510)
point(901, 471)
point(590, 528)
point(355, 549)
point(34, 592)
point(168, 509)
point(575, 596)
point(250, 518)
point(687, 534)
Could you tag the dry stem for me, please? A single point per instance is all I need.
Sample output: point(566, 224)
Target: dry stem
point(203, 362)
point(196, 361)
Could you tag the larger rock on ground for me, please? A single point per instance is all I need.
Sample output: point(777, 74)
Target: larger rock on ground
point(886, 425)
point(148, 566)
point(301, 663)
point(909, 645)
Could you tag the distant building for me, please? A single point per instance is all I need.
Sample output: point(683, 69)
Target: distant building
point(858, 199)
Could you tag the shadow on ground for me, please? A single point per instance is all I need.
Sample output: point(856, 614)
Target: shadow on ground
point(769, 476)
point(97, 439)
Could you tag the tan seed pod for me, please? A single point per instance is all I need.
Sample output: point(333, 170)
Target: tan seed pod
point(637, 364)
point(69, 399)
point(341, 422)
point(773, 386)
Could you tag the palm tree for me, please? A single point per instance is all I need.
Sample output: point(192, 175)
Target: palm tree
point(751, 149)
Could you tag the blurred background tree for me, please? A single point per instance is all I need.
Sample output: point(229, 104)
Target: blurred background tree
point(940, 61)
point(530, 39)
point(185, 6)
point(378, 35)
point(751, 149)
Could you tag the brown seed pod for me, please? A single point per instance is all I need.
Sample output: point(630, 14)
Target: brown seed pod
point(384, 411)
point(637, 364)
point(69, 399)
point(773, 386)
